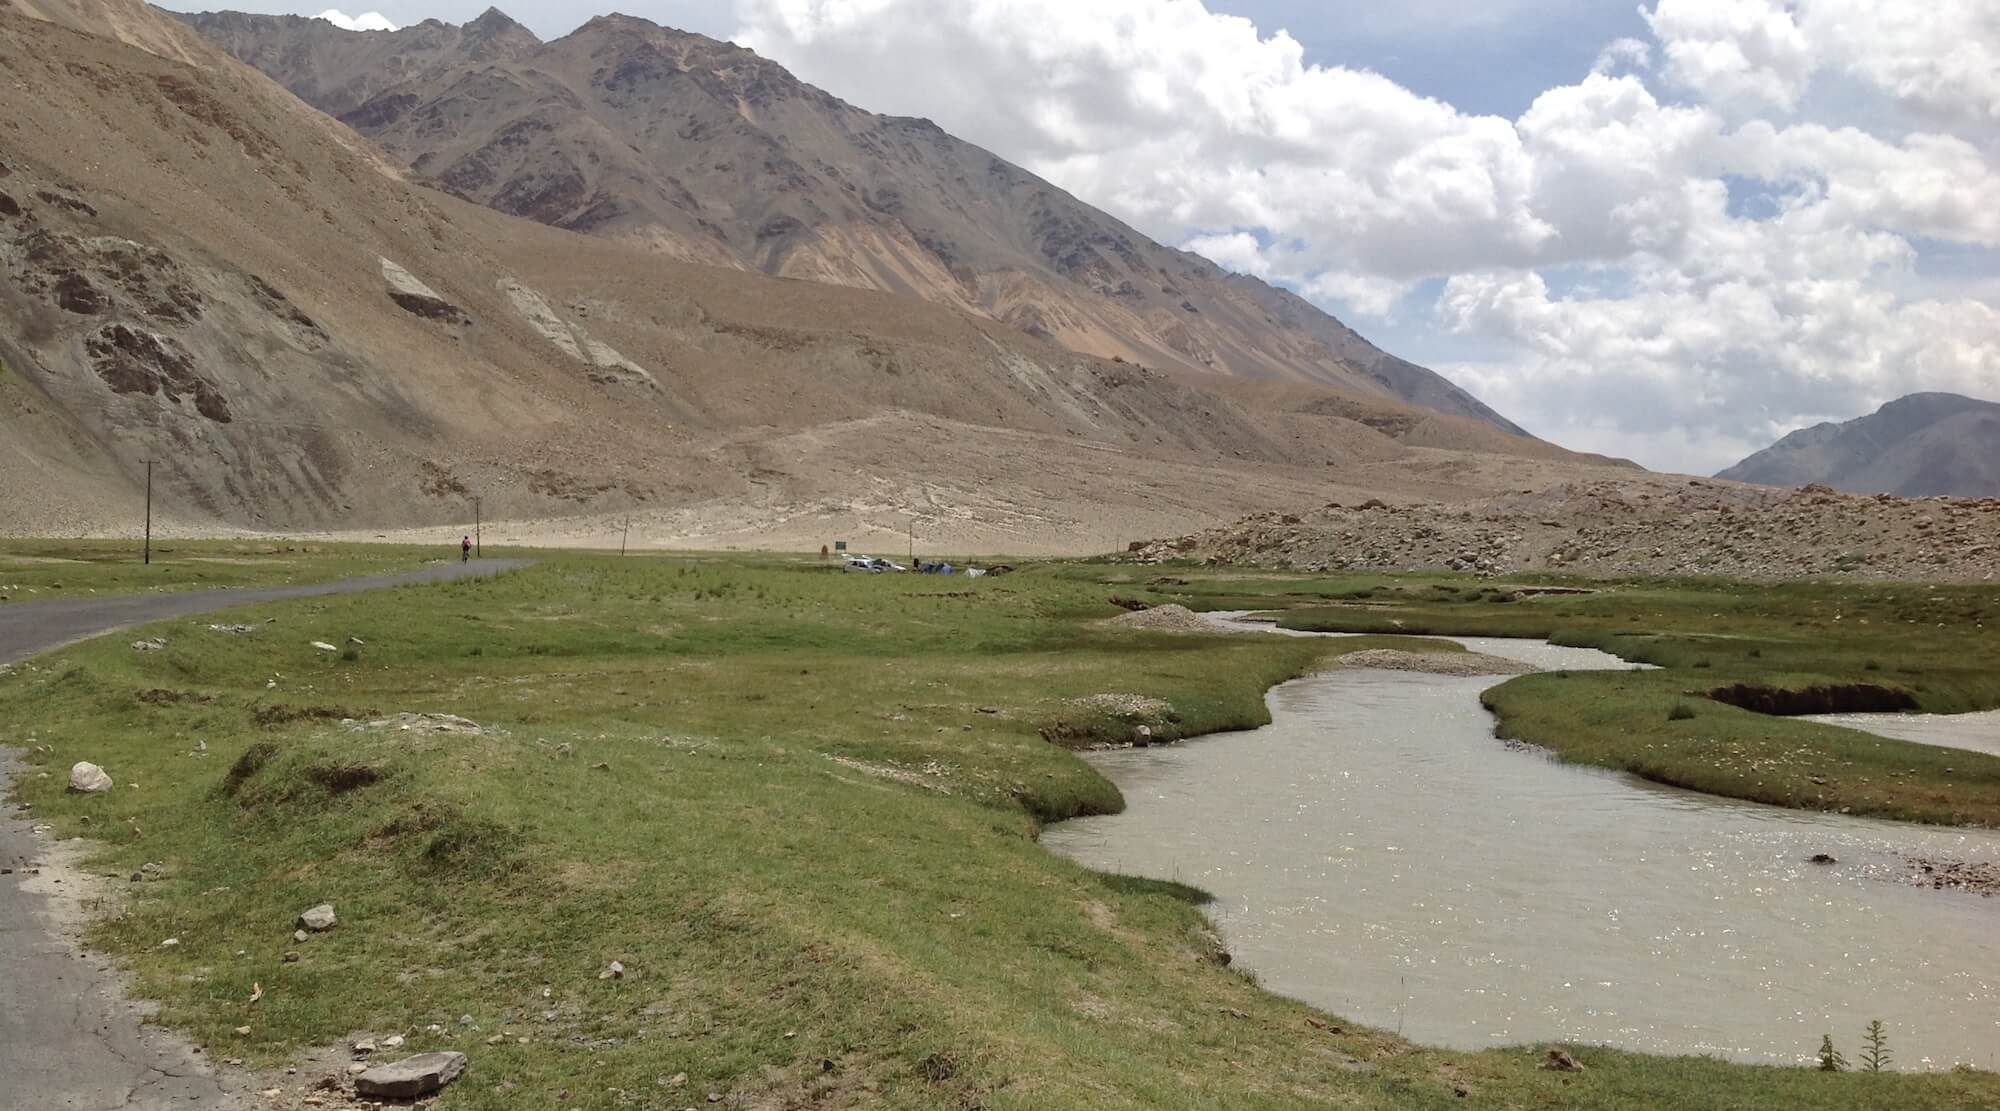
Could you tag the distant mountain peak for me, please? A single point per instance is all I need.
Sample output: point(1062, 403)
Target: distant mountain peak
point(493, 21)
point(1920, 445)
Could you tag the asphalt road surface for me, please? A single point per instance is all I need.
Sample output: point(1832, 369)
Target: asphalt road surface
point(68, 1039)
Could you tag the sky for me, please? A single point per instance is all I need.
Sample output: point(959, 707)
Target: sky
point(1669, 230)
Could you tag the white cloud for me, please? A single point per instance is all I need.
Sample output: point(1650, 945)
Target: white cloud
point(372, 21)
point(1749, 51)
point(1622, 54)
point(1684, 276)
point(1940, 57)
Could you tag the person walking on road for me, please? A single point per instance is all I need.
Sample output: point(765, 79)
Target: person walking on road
point(465, 550)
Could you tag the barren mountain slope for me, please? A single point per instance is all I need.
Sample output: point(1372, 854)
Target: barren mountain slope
point(202, 271)
point(1923, 444)
point(703, 150)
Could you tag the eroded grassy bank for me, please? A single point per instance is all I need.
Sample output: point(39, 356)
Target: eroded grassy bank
point(799, 808)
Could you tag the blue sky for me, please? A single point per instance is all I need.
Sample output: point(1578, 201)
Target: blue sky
point(1672, 230)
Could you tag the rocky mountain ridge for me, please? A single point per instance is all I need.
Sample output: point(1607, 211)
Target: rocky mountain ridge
point(1919, 445)
point(702, 150)
point(204, 272)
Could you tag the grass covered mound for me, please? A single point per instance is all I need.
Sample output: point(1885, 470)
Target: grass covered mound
point(800, 811)
point(1727, 651)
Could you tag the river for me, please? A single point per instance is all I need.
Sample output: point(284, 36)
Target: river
point(1376, 852)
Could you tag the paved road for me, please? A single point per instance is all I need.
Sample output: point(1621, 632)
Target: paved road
point(68, 1041)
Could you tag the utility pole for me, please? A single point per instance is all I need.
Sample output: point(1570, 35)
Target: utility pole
point(149, 512)
point(913, 542)
point(478, 540)
point(626, 535)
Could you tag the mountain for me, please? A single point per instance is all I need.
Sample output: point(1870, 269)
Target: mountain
point(1917, 446)
point(203, 272)
point(702, 150)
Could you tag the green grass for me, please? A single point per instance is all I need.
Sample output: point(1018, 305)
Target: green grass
point(800, 808)
point(1707, 635)
point(32, 570)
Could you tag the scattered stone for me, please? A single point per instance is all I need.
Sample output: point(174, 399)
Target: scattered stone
point(299, 935)
point(291, 958)
point(1559, 1060)
point(420, 723)
point(317, 919)
point(1170, 618)
point(86, 778)
point(357, 642)
point(393, 1041)
point(1823, 858)
point(324, 646)
point(233, 630)
point(152, 644)
point(1433, 663)
point(1142, 737)
point(356, 1069)
point(242, 1031)
point(171, 943)
point(613, 971)
point(1978, 877)
point(364, 1047)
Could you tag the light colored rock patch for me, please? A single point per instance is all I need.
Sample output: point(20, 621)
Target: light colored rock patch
point(544, 319)
point(402, 281)
point(420, 723)
point(572, 339)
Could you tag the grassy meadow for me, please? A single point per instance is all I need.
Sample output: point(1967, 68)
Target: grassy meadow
point(800, 809)
point(32, 570)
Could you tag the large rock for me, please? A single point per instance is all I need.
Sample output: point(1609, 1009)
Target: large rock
point(318, 918)
point(89, 779)
point(411, 1077)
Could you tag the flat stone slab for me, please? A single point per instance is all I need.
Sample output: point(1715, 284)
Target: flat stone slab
point(411, 1077)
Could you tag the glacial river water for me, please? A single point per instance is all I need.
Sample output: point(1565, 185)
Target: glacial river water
point(1376, 852)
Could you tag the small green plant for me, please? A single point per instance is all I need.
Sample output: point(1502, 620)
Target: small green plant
point(1875, 1055)
point(1830, 1059)
point(1756, 653)
point(1681, 712)
point(1872, 665)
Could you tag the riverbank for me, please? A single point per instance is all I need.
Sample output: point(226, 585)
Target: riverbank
point(1720, 646)
point(798, 808)
point(1374, 852)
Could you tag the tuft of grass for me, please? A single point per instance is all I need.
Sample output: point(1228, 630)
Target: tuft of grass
point(1681, 711)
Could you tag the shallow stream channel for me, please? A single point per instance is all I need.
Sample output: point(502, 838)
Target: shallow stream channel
point(1376, 852)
